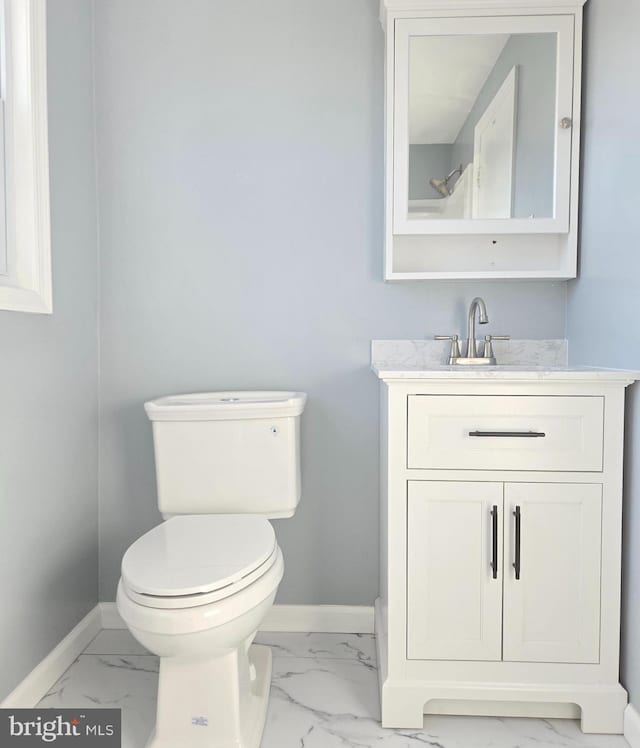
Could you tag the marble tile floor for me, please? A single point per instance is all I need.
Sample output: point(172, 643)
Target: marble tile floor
point(323, 695)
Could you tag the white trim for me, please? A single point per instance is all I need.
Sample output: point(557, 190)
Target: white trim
point(632, 726)
point(337, 619)
point(35, 686)
point(400, 6)
point(482, 274)
point(27, 285)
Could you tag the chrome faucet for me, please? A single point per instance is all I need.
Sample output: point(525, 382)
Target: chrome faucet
point(476, 304)
point(472, 357)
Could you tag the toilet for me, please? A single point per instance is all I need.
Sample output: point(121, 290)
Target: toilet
point(195, 589)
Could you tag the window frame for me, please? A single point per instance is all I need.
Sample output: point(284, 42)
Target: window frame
point(26, 286)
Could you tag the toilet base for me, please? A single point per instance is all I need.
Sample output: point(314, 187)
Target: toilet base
point(216, 703)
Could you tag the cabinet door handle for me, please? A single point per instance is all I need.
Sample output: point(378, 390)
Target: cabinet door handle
point(510, 434)
point(517, 514)
point(494, 541)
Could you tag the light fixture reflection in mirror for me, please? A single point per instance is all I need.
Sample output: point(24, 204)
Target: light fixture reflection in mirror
point(442, 185)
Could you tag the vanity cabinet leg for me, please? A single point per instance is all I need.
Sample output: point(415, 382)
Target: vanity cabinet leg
point(401, 710)
point(603, 713)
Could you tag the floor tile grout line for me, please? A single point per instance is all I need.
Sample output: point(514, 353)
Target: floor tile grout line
point(92, 640)
point(57, 680)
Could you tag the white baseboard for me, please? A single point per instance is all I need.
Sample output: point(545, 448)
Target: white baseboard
point(339, 619)
point(35, 686)
point(632, 726)
point(343, 619)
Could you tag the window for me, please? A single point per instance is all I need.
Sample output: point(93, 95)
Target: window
point(25, 233)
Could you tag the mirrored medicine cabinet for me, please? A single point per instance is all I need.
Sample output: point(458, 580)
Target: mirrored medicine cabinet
point(482, 138)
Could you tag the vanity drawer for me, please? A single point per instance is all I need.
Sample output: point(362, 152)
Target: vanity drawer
point(504, 432)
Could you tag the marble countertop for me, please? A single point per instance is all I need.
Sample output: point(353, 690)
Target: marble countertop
point(532, 360)
point(537, 373)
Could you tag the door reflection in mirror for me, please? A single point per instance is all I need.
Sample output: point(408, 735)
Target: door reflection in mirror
point(485, 103)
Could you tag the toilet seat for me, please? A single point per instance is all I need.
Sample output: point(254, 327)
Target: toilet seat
point(175, 617)
point(193, 560)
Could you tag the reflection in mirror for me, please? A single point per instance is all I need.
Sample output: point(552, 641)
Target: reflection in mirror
point(482, 126)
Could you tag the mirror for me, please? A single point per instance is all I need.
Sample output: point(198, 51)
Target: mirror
point(482, 126)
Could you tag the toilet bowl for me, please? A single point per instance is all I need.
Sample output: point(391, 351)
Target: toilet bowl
point(195, 589)
point(214, 685)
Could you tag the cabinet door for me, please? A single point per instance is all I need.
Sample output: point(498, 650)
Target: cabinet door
point(552, 611)
point(454, 596)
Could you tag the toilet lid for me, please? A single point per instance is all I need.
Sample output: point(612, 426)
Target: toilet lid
point(196, 554)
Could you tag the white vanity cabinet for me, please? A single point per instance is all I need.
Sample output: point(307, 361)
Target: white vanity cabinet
point(501, 516)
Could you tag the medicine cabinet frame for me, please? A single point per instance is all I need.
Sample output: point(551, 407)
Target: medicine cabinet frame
point(482, 248)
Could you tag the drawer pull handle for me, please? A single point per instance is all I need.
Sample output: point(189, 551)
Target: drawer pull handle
point(518, 517)
point(510, 434)
point(494, 541)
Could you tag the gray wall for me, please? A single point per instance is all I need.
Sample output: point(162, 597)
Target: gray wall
point(535, 56)
point(48, 381)
point(603, 305)
point(240, 154)
point(427, 161)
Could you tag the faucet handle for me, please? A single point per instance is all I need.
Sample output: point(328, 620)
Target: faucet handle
point(488, 348)
point(454, 353)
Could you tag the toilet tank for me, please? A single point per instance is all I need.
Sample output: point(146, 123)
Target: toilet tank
point(228, 452)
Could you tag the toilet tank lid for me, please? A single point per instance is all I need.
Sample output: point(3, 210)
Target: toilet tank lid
point(226, 406)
